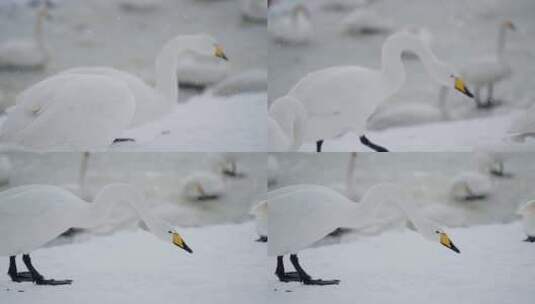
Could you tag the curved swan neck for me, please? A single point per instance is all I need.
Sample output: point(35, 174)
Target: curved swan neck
point(166, 71)
point(392, 68)
point(365, 213)
point(350, 175)
point(116, 194)
point(500, 42)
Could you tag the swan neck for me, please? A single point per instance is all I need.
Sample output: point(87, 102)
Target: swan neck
point(500, 42)
point(350, 176)
point(392, 67)
point(166, 72)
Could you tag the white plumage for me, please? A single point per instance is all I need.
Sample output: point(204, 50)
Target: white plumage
point(200, 186)
point(527, 211)
point(358, 91)
point(26, 53)
point(470, 186)
point(292, 27)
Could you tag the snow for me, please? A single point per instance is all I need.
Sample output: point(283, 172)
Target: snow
point(134, 267)
point(494, 266)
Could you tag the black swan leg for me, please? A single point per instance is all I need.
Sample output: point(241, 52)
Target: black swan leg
point(120, 140)
point(17, 276)
point(285, 276)
point(530, 239)
point(305, 278)
point(365, 141)
point(37, 278)
point(319, 143)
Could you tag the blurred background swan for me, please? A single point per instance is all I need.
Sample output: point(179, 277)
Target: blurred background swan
point(487, 72)
point(197, 70)
point(366, 22)
point(292, 26)
point(254, 10)
point(27, 54)
point(202, 186)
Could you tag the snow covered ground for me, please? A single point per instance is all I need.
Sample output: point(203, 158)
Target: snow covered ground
point(226, 266)
point(494, 266)
point(462, 32)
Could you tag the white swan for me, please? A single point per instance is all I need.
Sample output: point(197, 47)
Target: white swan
point(32, 215)
point(340, 99)
point(490, 162)
point(254, 10)
point(200, 70)
point(245, 82)
point(348, 187)
point(365, 22)
point(87, 108)
point(202, 186)
point(5, 170)
point(487, 72)
point(286, 124)
point(227, 164)
point(27, 53)
point(301, 216)
point(469, 186)
point(293, 27)
point(527, 211)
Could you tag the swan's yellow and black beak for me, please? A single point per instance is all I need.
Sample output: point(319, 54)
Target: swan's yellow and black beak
point(179, 241)
point(219, 53)
point(445, 240)
point(461, 87)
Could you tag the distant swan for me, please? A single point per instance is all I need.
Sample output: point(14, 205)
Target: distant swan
point(293, 27)
point(527, 211)
point(24, 53)
point(487, 72)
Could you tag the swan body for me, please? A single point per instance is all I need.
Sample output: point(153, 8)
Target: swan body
point(53, 114)
point(527, 211)
point(489, 162)
point(196, 70)
point(48, 211)
point(293, 27)
point(299, 216)
point(470, 186)
point(348, 187)
point(87, 108)
point(200, 186)
point(286, 124)
point(26, 53)
point(489, 71)
point(340, 99)
point(254, 10)
point(245, 82)
point(365, 21)
point(5, 169)
point(406, 114)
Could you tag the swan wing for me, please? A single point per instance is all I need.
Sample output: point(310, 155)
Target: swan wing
point(299, 216)
point(149, 104)
point(80, 112)
point(338, 99)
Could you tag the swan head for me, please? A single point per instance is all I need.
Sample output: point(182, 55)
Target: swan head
point(433, 233)
point(460, 85)
point(202, 44)
point(177, 240)
point(508, 24)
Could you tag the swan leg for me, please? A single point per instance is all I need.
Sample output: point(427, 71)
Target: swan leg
point(285, 276)
point(530, 239)
point(305, 278)
point(319, 143)
point(17, 276)
point(37, 278)
point(365, 141)
point(120, 140)
point(262, 239)
point(490, 89)
point(477, 97)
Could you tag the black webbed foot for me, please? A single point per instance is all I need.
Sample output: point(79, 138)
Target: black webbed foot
point(52, 282)
point(530, 239)
point(321, 282)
